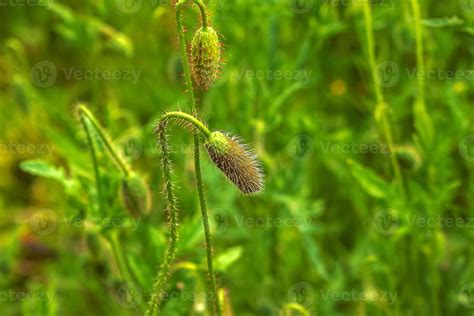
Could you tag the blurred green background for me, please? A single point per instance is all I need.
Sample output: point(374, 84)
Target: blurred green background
point(333, 231)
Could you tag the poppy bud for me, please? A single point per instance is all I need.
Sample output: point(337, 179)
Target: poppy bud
point(205, 52)
point(236, 161)
point(135, 195)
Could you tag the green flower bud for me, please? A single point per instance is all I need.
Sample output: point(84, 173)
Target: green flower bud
point(236, 161)
point(135, 195)
point(205, 52)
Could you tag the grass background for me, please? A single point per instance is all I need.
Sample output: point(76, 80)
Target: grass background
point(332, 231)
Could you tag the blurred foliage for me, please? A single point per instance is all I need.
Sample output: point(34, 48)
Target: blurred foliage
point(330, 233)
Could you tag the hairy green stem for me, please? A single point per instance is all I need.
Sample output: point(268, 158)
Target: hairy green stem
point(172, 210)
point(202, 10)
point(382, 107)
point(197, 161)
point(87, 119)
point(84, 112)
point(190, 119)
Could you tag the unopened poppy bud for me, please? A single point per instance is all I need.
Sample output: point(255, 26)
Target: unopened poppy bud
point(236, 161)
point(205, 52)
point(135, 195)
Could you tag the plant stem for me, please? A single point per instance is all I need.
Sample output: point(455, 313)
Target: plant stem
point(189, 118)
point(382, 107)
point(94, 163)
point(202, 9)
point(84, 112)
point(420, 60)
point(158, 287)
point(197, 162)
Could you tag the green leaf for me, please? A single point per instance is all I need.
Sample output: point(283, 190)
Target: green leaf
point(224, 260)
point(369, 180)
point(43, 169)
point(443, 22)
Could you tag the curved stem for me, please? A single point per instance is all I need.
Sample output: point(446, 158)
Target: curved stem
point(190, 119)
point(197, 162)
point(84, 112)
point(202, 9)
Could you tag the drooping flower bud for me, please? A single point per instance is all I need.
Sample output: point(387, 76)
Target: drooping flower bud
point(205, 52)
point(236, 161)
point(135, 195)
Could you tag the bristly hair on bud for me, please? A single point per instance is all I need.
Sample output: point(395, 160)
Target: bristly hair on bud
point(236, 161)
point(206, 57)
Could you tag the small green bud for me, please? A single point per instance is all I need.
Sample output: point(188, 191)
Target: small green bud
point(205, 52)
point(135, 195)
point(236, 161)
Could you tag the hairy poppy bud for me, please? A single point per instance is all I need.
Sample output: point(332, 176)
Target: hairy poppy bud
point(236, 161)
point(205, 52)
point(135, 195)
